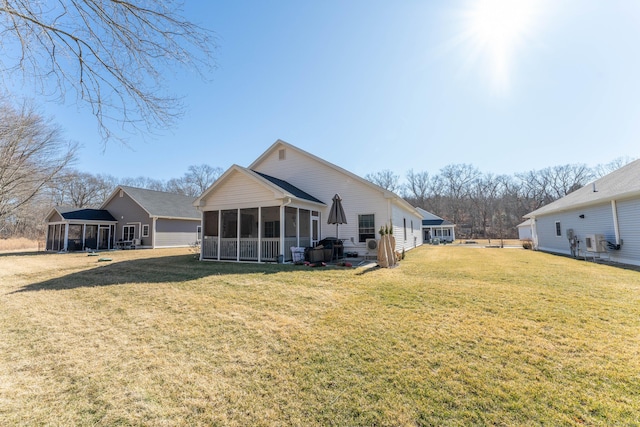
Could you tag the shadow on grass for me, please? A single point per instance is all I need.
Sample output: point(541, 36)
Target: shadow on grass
point(180, 268)
point(7, 254)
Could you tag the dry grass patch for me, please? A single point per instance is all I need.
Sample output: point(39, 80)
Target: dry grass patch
point(20, 244)
point(451, 337)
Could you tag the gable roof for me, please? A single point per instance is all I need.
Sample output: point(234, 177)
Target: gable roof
point(430, 219)
point(619, 184)
point(386, 193)
point(281, 188)
point(159, 204)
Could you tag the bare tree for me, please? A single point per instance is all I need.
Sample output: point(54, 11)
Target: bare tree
point(603, 169)
point(114, 55)
point(81, 189)
point(385, 179)
point(418, 187)
point(32, 154)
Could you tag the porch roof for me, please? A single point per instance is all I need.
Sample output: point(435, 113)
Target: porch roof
point(289, 188)
point(69, 214)
point(436, 222)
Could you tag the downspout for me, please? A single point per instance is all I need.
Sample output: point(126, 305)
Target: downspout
point(282, 228)
point(201, 233)
point(616, 226)
point(238, 224)
point(259, 233)
point(153, 236)
point(66, 237)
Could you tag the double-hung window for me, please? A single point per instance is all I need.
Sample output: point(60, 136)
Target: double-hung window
point(366, 227)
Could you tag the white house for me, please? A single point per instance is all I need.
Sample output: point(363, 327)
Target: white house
point(434, 227)
point(600, 218)
point(282, 200)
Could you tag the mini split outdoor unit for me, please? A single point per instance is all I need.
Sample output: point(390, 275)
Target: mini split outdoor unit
point(596, 243)
point(372, 245)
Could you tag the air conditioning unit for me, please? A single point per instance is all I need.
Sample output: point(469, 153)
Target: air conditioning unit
point(595, 243)
point(372, 246)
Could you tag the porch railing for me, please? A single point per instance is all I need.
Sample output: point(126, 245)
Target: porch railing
point(269, 248)
point(210, 247)
point(229, 248)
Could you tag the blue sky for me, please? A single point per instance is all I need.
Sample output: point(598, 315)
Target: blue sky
point(373, 85)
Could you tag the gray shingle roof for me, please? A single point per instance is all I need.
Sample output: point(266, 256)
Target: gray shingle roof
point(619, 184)
point(162, 204)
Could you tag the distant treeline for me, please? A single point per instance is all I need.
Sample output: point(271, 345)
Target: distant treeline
point(482, 205)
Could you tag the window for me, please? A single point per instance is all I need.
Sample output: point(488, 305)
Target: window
point(366, 227)
point(404, 223)
point(199, 233)
point(145, 230)
point(558, 229)
point(128, 232)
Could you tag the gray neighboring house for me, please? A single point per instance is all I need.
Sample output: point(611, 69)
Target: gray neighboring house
point(130, 217)
point(599, 219)
point(72, 229)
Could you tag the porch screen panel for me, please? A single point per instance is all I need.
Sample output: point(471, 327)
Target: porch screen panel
point(290, 237)
point(211, 235)
point(50, 237)
point(305, 228)
point(270, 221)
point(75, 237)
point(58, 237)
point(91, 236)
point(229, 238)
point(249, 234)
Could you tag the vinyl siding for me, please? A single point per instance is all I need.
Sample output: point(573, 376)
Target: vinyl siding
point(323, 182)
point(239, 191)
point(175, 233)
point(128, 212)
point(629, 225)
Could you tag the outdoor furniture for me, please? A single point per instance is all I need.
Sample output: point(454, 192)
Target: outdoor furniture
point(336, 246)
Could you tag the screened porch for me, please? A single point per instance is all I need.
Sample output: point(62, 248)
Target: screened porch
point(80, 236)
point(260, 234)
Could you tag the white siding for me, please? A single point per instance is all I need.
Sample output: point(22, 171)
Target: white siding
point(239, 191)
point(629, 224)
point(324, 181)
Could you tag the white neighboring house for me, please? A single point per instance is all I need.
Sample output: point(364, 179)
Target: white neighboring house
point(603, 216)
point(525, 230)
point(282, 200)
point(434, 227)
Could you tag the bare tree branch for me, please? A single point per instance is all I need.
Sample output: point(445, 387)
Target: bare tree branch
point(114, 55)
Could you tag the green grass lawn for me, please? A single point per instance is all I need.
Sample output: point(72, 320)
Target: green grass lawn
point(453, 336)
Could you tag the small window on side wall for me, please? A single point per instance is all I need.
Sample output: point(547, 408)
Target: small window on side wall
point(145, 230)
point(558, 229)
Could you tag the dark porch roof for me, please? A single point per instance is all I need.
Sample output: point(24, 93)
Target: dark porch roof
point(435, 222)
point(289, 188)
point(86, 214)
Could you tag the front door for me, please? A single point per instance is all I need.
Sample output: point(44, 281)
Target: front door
point(104, 238)
point(315, 228)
